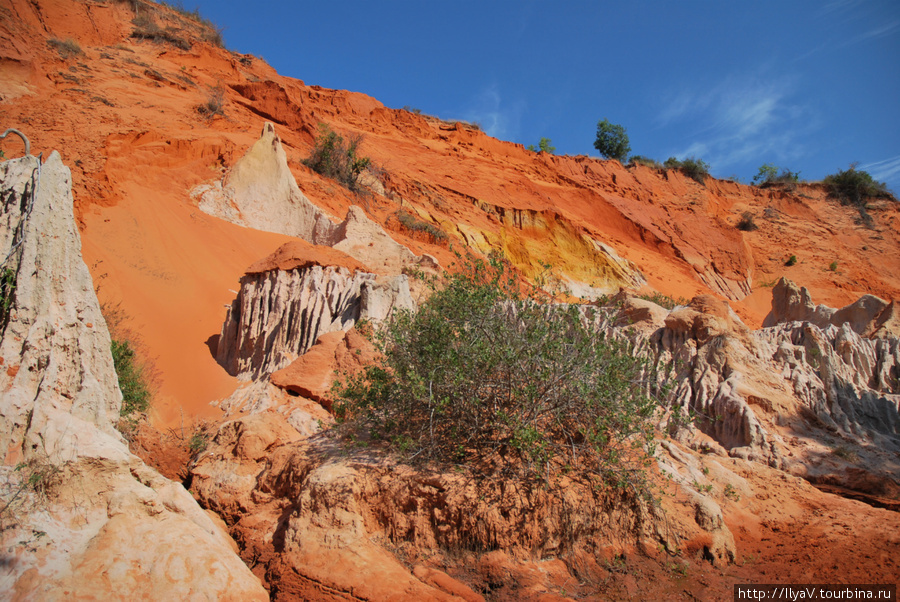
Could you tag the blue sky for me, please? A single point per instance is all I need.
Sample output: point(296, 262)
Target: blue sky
point(807, 85)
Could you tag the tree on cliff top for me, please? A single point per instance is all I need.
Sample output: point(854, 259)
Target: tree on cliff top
point(486, 374)
point(612, 141)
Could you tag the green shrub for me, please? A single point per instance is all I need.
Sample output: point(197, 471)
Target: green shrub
point(7, 293)
point(65, 48)
point(792, 260)
point(485, 374)
point(612, 141)
point(855, 187)
point(768, 174)
point(199, 442)
point(696, 169)
point(833, 266)
point(132, 379)
point(542, 147)
point(334, 158)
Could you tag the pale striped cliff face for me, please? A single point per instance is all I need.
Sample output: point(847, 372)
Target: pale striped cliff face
point(77, 506)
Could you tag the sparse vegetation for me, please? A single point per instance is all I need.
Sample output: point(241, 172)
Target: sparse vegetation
point(747, 223)
point(134, 5)
point(485, 374)
point(66, 48)
point(542, 147)
point(212, 33)
point(647, 161)
point(792, 260)
point(845, 453)
point(731, 493)
point(769, 174)
point(337, 159)
point(199, 442)
point(612, 141)
point(855, 187)
point(694, 168)
point(215, 102)
point(664, 300)
point(833, 266)
point(147, 29)
point(7, 293)
point(132, 379)
point(411, 223)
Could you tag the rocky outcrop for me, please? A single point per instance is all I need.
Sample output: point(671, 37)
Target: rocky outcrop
point(278, 315)
point(57, 377)
point(851, 384)
point(745, 386)
point(260, 192)
point(868, 315)
point(81, 516)
point(300, 507)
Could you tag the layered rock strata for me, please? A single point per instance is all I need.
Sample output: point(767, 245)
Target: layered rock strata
point(81, 516)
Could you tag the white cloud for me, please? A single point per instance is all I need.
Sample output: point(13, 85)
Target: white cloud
point(887, 170)
point(737, 120)
point(495, 116)
point(878, 32)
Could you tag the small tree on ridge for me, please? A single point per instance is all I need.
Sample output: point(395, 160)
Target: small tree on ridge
point(612, 141)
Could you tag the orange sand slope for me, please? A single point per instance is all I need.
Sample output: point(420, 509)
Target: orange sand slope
point(124, 116)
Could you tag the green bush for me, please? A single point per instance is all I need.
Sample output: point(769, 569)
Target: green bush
point(696, 169)
point(855, 187)
point(792, 261)
point(769, 174)
point(612, 141)
point(334, 158)
point(487, 375)
point(7, 293)
point(542, 147)
point(132, 379)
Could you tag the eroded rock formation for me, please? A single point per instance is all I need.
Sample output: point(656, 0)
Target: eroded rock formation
point(81, 515)
point(260, 192)
point(280, 313)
